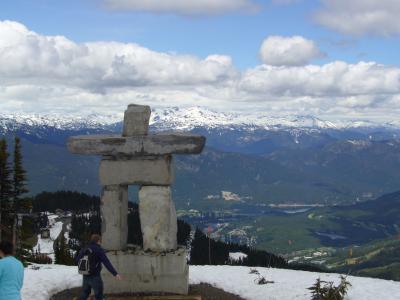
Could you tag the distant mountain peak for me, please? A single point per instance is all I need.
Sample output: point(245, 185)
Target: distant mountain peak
point(187, 118)
point(67, 122)
point(196, 116)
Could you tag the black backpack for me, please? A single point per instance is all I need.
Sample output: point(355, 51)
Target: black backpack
point(87, 264)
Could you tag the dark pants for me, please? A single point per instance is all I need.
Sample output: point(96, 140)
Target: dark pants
point(92, 282)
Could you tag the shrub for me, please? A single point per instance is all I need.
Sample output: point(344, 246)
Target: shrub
point(325, 290)
point(260, 279)
point(39, 258)
point(254, 271)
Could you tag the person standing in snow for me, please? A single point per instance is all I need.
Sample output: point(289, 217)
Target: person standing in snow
point(94, 280)
point(11, 273)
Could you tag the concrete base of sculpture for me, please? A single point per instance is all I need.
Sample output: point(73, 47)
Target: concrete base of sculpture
point(145, 272)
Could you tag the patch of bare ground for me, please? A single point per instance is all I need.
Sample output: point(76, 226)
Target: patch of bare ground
point(205, 291)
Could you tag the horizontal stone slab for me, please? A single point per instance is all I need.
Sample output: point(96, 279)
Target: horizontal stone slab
point(146, 171)
point(117, 145)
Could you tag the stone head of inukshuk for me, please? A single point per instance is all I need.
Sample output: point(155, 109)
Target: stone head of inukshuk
point(138, 158)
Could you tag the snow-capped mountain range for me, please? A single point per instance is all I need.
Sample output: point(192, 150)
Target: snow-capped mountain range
point(248, 144)
point(186, 119)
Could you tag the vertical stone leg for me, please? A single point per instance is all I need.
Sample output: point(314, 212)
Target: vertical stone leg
point(114, 213)
point(158, 218)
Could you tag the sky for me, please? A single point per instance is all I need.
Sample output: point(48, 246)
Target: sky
point(334, 59)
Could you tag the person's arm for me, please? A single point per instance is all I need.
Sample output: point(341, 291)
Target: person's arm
point(106, 262)
point(22, 276)
point(79, 256)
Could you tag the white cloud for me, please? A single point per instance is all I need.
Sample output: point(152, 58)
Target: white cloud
point(360, 101)
point(358, 17)
point(336, 79)
point(45, 74)
point(197, 7)
point(30, 57)
point(288, 51)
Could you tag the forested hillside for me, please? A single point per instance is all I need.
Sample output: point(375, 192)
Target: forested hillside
point(323, 168)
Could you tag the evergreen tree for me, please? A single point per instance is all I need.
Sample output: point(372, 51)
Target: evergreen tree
point(62, 253)
point(5, 174)
point(19, 178)
point(184, 230)
point(134, 229)
point(5, 184)
point(66, 200)
point(57, 253)
point(18, 189)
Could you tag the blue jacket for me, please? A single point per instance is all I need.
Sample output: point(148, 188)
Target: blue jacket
point(99, 258)
point(11, 278)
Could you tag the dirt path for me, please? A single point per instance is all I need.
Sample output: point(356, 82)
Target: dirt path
point(206, 291)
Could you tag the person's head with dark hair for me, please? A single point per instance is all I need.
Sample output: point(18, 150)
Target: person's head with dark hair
point(6, 249)
point(95, 238)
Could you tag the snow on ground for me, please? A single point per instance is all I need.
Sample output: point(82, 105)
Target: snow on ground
point(52, 219)
point(236, 256)
point(288, 284)
point(66, 233)
point(45, 246)
point(50, 279)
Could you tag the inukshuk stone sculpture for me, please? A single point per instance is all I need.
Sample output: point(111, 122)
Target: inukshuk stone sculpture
point(136, 158)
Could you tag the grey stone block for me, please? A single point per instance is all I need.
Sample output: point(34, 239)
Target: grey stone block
point(148, 272)
point(150, 145)
point(157, 218)
point(114, 213)
point(136, 120)
point(140, 170)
